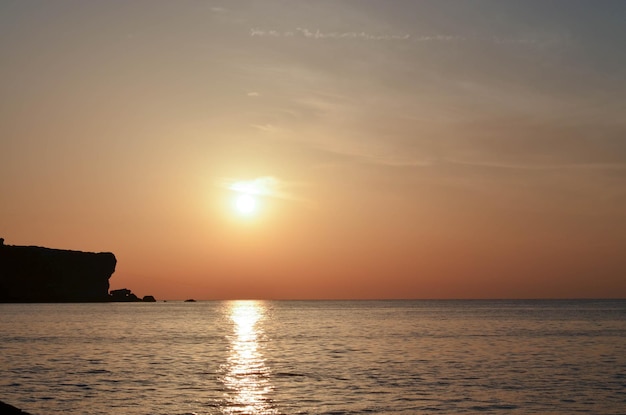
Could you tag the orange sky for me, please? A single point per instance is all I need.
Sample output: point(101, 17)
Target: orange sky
point(414, 149)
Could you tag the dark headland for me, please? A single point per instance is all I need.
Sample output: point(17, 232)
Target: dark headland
point(34, 274)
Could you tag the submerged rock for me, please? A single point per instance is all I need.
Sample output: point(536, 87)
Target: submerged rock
point(38, 274)
point(148, 299)
point(191, 300)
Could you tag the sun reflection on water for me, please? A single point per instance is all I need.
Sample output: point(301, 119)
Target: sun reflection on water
point(247, 378)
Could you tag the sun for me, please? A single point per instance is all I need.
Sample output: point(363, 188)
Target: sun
point(249, 196)
point(245, 204)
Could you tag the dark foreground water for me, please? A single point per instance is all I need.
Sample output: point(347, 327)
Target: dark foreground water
point(362, 357)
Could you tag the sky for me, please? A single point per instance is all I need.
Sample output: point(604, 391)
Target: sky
point(389, 149)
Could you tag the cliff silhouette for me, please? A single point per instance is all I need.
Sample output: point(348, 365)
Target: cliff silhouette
point(38, 274)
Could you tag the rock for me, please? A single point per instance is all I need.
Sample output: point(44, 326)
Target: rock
point(6, 409)
point(38, 274)
point(123, 295)
point(148, 299)
point(191, 300)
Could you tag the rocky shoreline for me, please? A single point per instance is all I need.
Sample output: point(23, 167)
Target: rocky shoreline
point(6, 409)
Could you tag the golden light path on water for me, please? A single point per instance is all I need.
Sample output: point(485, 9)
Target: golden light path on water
point(247, 378)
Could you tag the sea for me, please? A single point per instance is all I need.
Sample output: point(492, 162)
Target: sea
point(315, 357)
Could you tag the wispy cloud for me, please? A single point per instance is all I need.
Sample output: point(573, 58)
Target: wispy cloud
point(261, 186)
point(253, 94)
point(266, 128)
point(544, 40)
point(539, 166)
point(267, 186)
point(317, 34)
point(305, 33)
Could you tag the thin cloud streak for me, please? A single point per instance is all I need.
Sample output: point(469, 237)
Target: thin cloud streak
point(317, 34)
point(305, 33)
point(539, 167)
point(266, 186)
point(266, 128)
point(407, 161)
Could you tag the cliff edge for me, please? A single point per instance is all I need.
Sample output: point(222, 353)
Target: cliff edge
point(37, 274)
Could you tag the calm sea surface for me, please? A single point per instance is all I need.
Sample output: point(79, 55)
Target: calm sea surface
point(353, 357)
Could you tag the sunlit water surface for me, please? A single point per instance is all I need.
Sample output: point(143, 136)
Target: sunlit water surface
point(404, 357)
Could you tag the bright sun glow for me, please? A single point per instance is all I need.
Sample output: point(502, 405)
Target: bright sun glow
point(265, 186)
point(245, 204)
point(249, 192)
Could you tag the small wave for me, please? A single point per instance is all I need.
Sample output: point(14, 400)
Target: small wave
point(288, 375)
point(481, 408)
point(95, 371)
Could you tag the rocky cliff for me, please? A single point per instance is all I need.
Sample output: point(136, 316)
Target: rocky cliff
point(37, 274)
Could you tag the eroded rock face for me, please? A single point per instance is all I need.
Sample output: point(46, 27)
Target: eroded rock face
point(37, 274)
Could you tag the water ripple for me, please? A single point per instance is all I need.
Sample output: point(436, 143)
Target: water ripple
point(315, 357)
